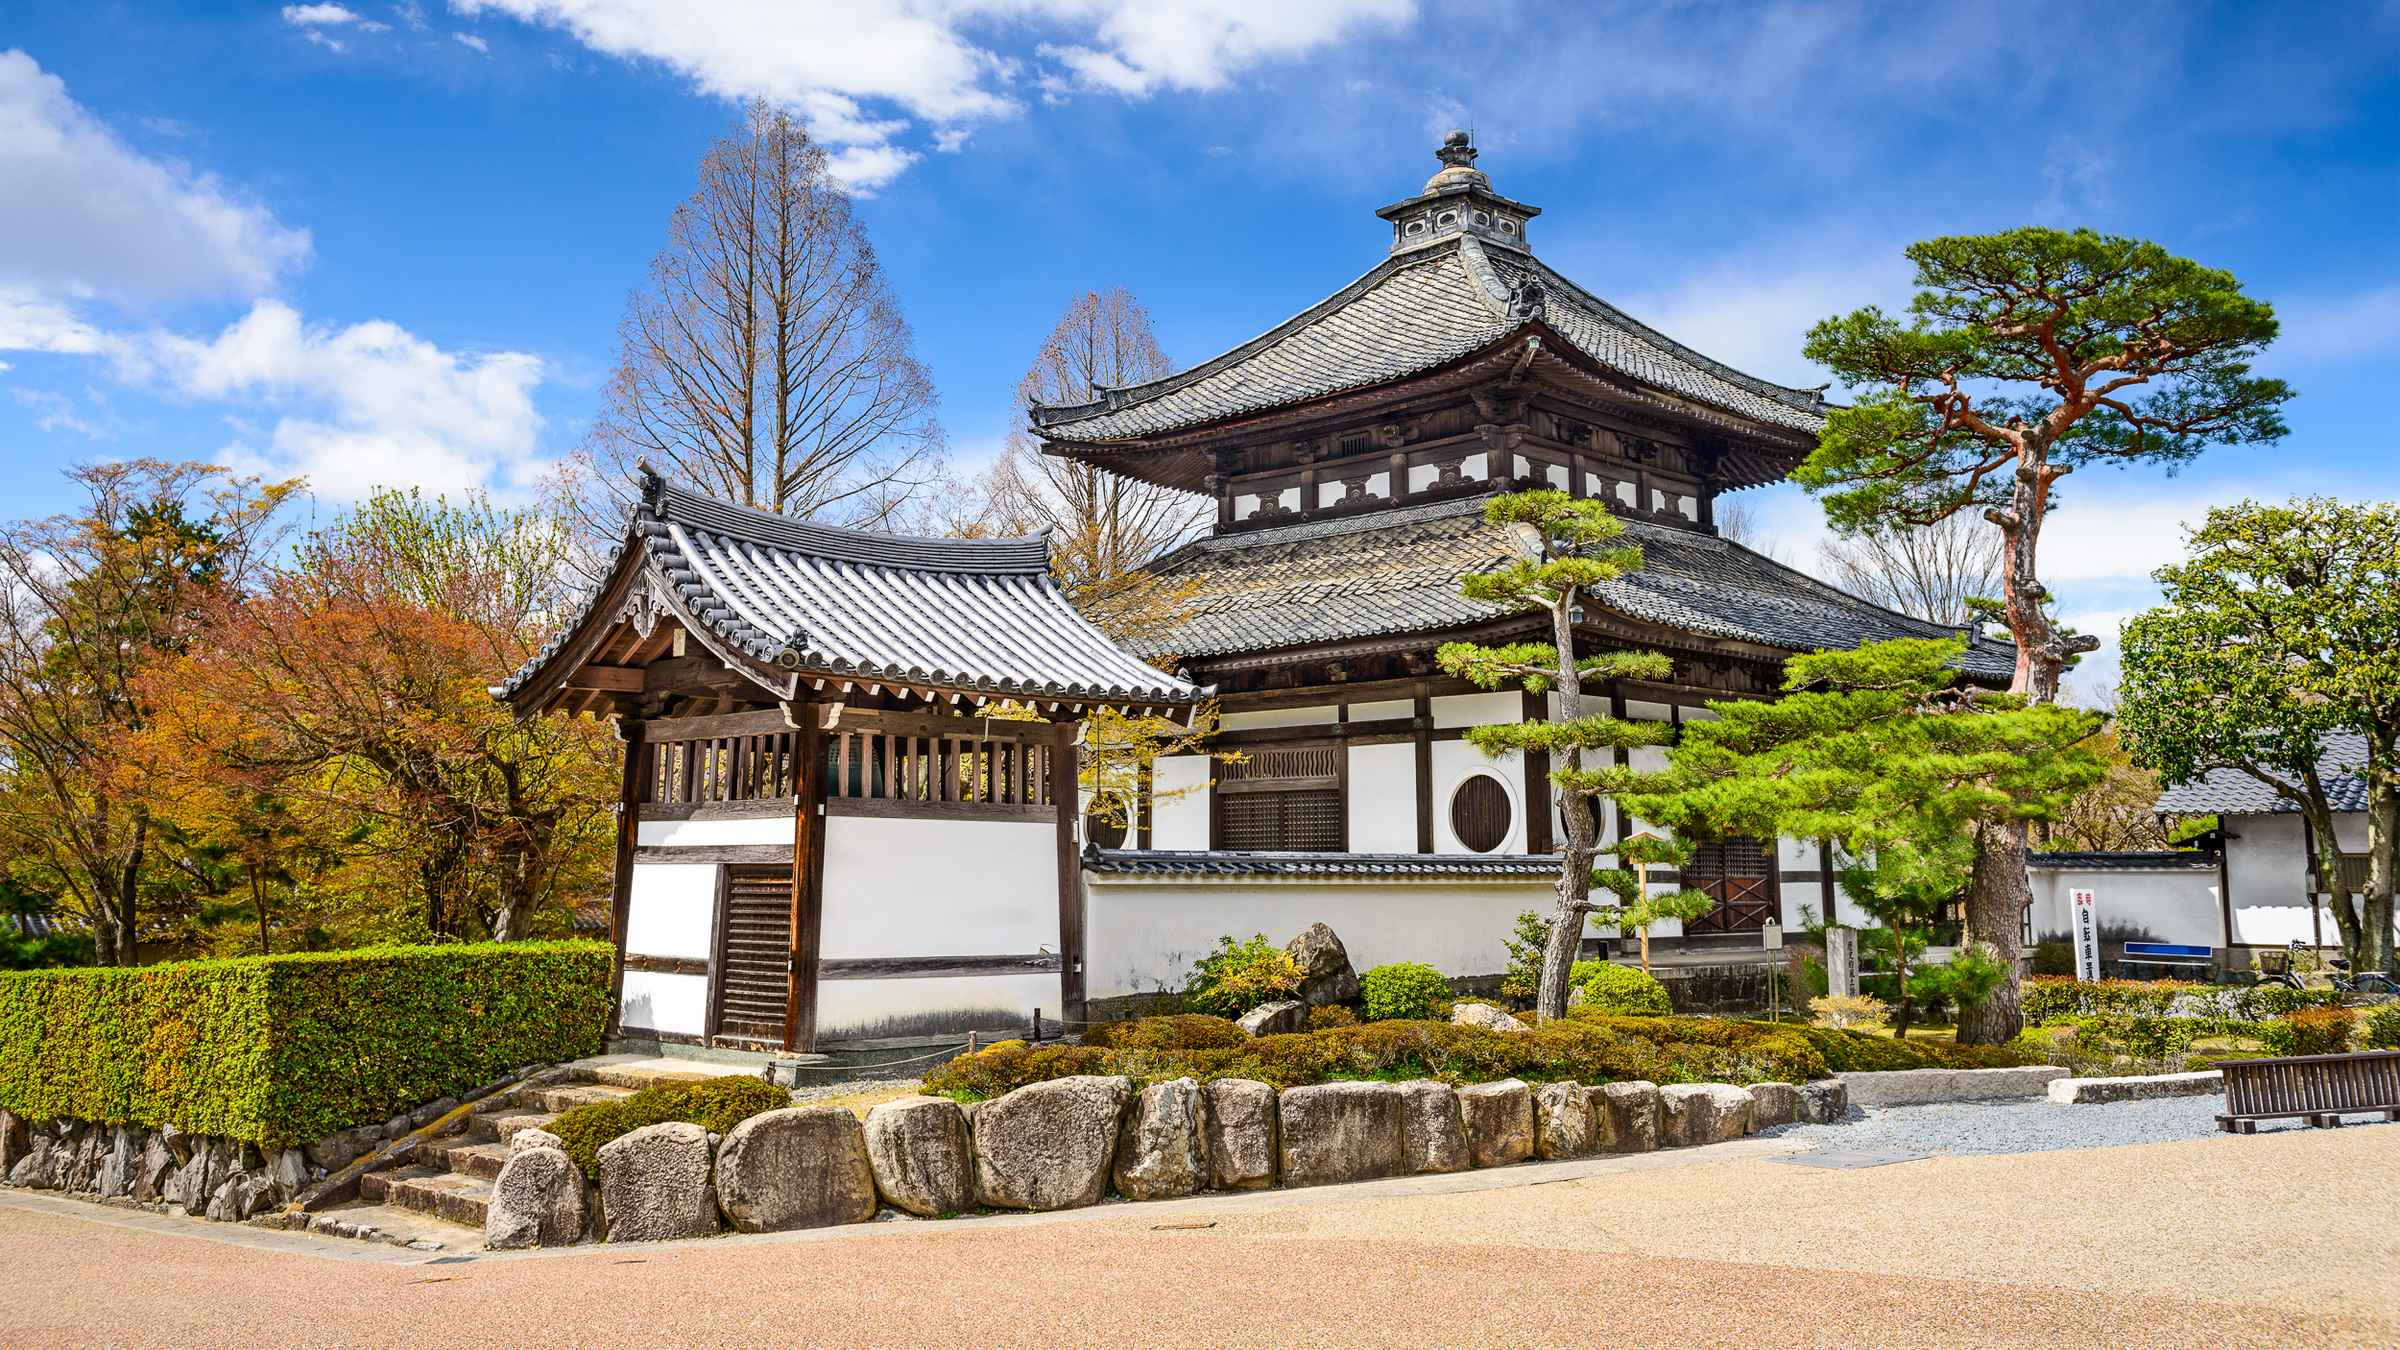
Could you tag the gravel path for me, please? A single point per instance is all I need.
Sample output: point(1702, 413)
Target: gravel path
point(2021, 1127)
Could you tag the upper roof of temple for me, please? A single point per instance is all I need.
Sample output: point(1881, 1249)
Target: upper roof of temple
point(1459, 279)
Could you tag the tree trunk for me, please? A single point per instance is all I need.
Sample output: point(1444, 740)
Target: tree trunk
point(2374, 947)
point(1997, 893)
point(2347, 926)
point(1575, 865)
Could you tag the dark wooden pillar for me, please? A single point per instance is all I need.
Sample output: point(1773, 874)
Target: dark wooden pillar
point(1537, 784)
point(632, 786)
point(1423, 728)
point(808, 885)
point(1825, 887)
point(1065, 798)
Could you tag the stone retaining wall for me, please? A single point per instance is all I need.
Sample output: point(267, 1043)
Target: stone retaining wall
point(1070, 1142)
point(1918, 1087)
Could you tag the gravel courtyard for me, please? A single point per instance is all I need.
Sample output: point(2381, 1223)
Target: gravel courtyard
point(2027, 1127)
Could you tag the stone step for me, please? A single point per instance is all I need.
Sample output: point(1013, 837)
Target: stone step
point(556, 1099)
point(429, 1190)
point(368, 1221)
point(498, 1127)
point(466, 1159)
point(633, 1077)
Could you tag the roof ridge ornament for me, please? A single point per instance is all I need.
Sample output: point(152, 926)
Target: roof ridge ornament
point(1458, 201)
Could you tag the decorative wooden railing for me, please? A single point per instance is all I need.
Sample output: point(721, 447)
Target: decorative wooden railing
point(913, 763)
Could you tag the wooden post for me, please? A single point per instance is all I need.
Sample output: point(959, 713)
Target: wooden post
point(715, 1017)
point(1537, 783)
point(1063, 797)
point(630, 791)
point(808, 891)
point(1423, 728)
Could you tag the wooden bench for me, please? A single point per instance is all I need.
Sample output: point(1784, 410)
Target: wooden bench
point(2318, 1088)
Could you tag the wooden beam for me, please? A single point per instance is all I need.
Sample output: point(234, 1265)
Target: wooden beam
point(715, 1017)
point(755, 722)
point(936, 967)
point(606, 679)
point(1423, 729)
point(909, 809)
point(667, 965)
point(763, 854)
point(683, 674)
point(808, 892)
point(631, 788)
point(1066, 799)
point(1537, 783)
point(772, 808)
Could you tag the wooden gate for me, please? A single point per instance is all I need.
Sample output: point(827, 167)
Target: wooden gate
point(753, 986)
point(1739, 874)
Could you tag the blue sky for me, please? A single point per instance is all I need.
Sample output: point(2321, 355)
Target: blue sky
point(390, 243)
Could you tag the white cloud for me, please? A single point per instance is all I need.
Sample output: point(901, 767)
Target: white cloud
point(2358, 325)
point(31, 323)
point(87, 215)
point(329, 16)
point(863, 75)
point(358, 407)
point(473, 43)
point(1752, 312)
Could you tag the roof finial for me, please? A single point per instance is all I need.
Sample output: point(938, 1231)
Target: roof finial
point(1458, 149)
point(1458, 165)
point(654, 484)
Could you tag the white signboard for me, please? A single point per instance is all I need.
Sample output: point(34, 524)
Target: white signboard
point(1841, 961)
point(2087, 934)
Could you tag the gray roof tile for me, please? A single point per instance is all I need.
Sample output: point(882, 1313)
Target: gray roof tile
point(2232, 792)
point(1394, 866)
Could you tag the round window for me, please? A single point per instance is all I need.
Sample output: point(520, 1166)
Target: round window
point(1480, 813)
point(1102, 832)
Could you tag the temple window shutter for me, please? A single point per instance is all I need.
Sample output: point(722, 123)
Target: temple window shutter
point(1281, 800)
point(1480, 813)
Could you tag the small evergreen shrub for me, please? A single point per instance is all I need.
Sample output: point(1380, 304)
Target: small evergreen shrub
point(1239, 976)
point(716, 1106)
point(1404, 990)
point(2046, 1000)
point(1842, 1011)
point(1326, 1015)
point(1181, 1031)
point(2310, 1031)
point(1620, 991)
point(1865, 1052)
point(2383, 1027)
point(2151, 1040)
point(1527, 942)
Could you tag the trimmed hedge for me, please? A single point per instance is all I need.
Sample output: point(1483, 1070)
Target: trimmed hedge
point(2383, 1027)
point(1618, 990)
point(716, 1106)
point(1177, 1031)
point(2310, 1031)
point(2046, 999)
point(283, 1050)
point(1403, 991)
point(1847, 1051)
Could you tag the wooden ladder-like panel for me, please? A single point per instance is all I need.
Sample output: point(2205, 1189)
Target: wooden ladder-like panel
point(755, 978)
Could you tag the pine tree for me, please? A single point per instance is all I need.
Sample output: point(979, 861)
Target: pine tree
point(1565, 545)
point(1636, 908)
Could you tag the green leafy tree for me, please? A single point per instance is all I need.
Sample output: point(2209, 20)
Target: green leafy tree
point(1905, 888)
point(2027, 355)
point(1565, 545)
point(1877, 748)
point(2280, 629)
point(1636, 908)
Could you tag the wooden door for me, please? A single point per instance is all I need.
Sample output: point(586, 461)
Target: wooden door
point(753, 985)
point(1739, 874)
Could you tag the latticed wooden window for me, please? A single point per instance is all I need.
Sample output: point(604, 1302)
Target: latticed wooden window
point(1480, 813)
point(1282, 800)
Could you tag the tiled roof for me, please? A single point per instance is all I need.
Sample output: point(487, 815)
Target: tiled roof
point(1398, 571)
point(2231, 792)
point(2162, 860)
point(969, 614)
point(1418, 310)
point(1396, 866)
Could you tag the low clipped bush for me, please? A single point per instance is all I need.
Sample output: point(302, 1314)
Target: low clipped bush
point(2153, 1040)
point(2046, 999)
point(1619, 991)
point(284, 1050)
point(1330, 1015)
point(1403, 991)
point(2310, 1031)
point(716, 1105)
point(1179, 1031)
point(2383, 1027)
point(1864, 1052)
point(1239, 976)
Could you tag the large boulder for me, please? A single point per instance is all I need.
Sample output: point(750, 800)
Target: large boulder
point(1773, 1104)
point(1271, 1019)
point(525, 1139)
point(656, 1183)
point(801, 1167)
point(1483, 1015)
point(1499, 1121)
point(15, 1141)
point(1824, 1101)
point(923, 1163)
point(539, 1200)
point(1433, 1132)
point(1048, 1145)
point(1325, 973)
point(33, 1169)
point(1162, 1151)
point(82, 1169)
point(241, 1196)
point(115, 1177)
point(1567, 1121)
point(153, 1169)
point(1340, 1132)
point(1691, 1114)
point(1631, 1109)
point(1241, 1127)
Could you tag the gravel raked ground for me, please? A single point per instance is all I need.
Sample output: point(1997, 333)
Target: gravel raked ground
point(2022, 1126)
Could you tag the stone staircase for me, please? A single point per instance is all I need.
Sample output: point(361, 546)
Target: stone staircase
point(435, 1200)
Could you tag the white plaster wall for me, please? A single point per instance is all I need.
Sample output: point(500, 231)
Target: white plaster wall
point(670, 1003)
point(1474, 710)
point(672, 911)
point(692, 833)
point(1322, 715)
point(1383, 709)
point(1383, 798)
point(861, 1008)
point(2177, 906)
point(1453, 762)
point(1144, 938)
point(2266, 868)
point(918, 887)
point(1179, 822)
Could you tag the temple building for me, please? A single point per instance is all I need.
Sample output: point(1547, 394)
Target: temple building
point(1349, 452)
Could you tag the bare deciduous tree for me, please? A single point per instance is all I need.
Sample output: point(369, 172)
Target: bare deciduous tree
point(1106, 525)
point(767, 360)
point(1930, 571)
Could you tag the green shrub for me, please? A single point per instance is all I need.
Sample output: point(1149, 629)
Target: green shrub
point(282, 1050)
point(716, 1106)
point(1330, 1015)
point(2155, 1040)
point(1865, 1052)
point(1181, 1031)
point(1619, 991)
point(1527, 942)
point(2054, 1000)
point(1403, 991)
point(2053, 957)
point(1239, 976)
point(2383, 1027)
point(2310, 1031)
